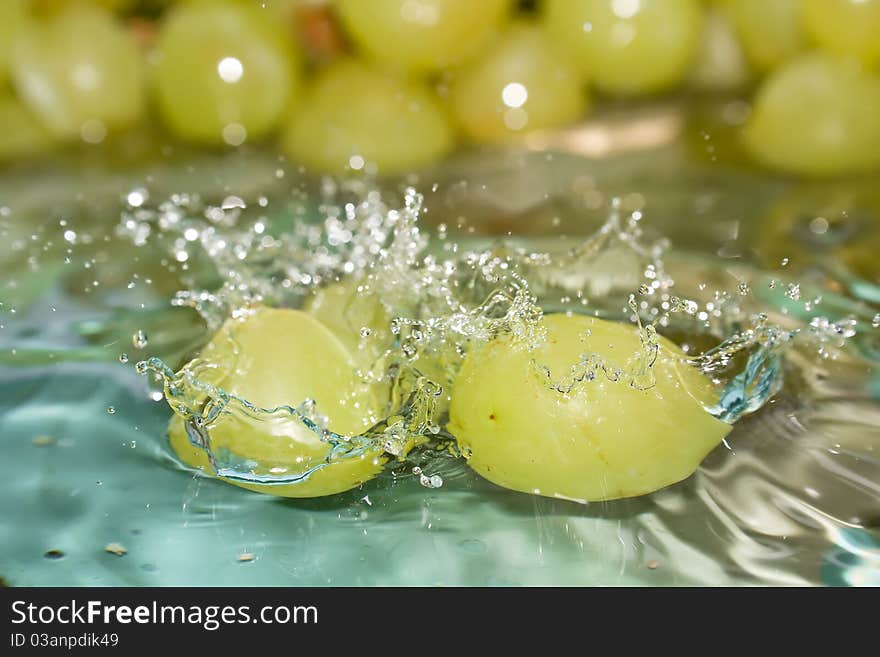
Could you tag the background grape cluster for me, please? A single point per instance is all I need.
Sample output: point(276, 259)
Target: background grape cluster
point(387, 86)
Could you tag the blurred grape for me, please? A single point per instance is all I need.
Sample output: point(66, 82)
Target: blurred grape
point(845, 27)
point(355, 117)
point(225, 72)
point(720, 64)
point(13, 18)
point(421, 35)
point(817, 115)
point(22, 135)
point(79, 73)
point(770, 32)
point(521, 84)
point(627, 47)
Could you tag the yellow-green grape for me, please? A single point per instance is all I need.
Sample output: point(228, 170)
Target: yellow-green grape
point(225, 72)
point(283, 357)
point(720, 64)
point(817, 115)
point(421, 35)
point(521, 84)
point(845, 27)
point(21, 135)
point(357, 318)
point(770, 32)
point(354, 116)
point(627, 47)
point(604, 439)
point(13, 20)
point(80, 73)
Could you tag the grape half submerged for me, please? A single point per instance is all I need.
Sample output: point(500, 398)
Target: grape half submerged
point(602, 440)
point(279, 357)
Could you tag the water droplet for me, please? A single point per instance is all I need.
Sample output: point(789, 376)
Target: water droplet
point(793, 291)
point(123, 358)
point(744, 288)
point(233, 202)
point(876, 321)
point(111, 410)
point(365, 331)
point(644, 289)
point(139, 339)
point(141, 367)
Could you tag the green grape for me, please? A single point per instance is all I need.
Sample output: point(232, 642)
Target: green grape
point(13, 21)
point(770, 32)
point(627, 47)
point(845, 27)
point(354, 117)
point(357, 319)
point(283, 357)
point(22, 135)
point(720, 64)
point(521, 84)
point(603, 440)
point(817, 115)
point(421, 35)
point(225, 72)
point(80, 73)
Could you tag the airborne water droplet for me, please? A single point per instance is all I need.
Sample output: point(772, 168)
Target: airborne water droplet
point(876, 321)
point(139, 339)
point(123, 358)
point(111, 410)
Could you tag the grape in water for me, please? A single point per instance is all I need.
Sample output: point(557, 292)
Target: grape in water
point(278, 357)
point(599, 438)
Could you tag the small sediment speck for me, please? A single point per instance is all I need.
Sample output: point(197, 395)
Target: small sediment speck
point(44, 441)
point(116, 548)
point(652, 565)
point(54, 554)
point(246, 557)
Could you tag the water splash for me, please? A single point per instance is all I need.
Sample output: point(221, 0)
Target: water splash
point(431, 302)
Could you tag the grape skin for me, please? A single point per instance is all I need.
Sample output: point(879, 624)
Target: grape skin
point(283, 358)
point(602, 441)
